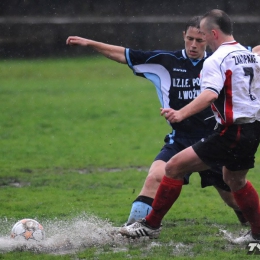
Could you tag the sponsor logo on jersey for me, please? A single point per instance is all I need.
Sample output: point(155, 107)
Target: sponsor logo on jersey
point(185, 83)
point(191, 83)
point(189, 94)
point(180, 70)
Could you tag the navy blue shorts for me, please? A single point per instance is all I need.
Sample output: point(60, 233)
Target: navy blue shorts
point(233, 147)
point(175, 144)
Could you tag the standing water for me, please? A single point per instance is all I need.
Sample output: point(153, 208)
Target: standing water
point(64, 236)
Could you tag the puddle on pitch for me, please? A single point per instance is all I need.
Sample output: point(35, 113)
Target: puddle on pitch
point(64, 237)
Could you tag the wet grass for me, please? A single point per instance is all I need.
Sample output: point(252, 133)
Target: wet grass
point(70, 131)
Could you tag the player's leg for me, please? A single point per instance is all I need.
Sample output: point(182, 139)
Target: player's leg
point(142, 205)
point(153, 179)
point(168, 192)
point(234, 174)
point(246, 197)
point(214, 177)
point(229, 199)
point(171, 184)
point(141, 208)
point(184, 162)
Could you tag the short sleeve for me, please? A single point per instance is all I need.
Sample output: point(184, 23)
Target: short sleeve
point(211, 76)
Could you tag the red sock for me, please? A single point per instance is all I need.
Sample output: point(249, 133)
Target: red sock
point(168, 192)
point(248, 202)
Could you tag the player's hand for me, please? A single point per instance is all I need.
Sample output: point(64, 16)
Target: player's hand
point(173, 116)
point(75, 40)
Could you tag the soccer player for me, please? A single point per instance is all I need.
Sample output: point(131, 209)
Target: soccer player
point(175, 75)
point(230, 82)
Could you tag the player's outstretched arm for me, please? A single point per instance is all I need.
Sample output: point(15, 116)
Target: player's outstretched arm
point(256, 50)
point(113, 52)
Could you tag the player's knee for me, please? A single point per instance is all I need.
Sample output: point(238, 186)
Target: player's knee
point(229, 179)
point(170, 169)
point(234, 183)
point(153, 178)
point(226, 179)
point(156, 172)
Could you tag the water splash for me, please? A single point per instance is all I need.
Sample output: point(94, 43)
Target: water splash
point(65, 236)
point(231, 237)
point(227, 235)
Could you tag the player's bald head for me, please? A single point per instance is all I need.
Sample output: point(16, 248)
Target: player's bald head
point(218, 19)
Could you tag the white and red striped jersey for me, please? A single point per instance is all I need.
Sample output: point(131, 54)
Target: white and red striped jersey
point(233, 72)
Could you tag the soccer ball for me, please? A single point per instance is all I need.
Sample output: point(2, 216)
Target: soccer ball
point(28, 230)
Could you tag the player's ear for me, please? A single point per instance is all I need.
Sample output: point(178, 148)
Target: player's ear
point(215, 33)
point(183, 33)
point(256, 50)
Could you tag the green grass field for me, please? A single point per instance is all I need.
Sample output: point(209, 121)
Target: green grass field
point(77, 137)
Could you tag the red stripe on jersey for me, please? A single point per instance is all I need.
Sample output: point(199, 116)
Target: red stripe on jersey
point(228, 98)
point(223, 131)
point(214, 109)
point(229, 43)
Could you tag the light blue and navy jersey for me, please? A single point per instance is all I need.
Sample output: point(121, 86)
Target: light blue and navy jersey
point(177, 81)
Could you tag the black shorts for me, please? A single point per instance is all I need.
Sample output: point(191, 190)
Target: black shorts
point(233, 147)
point(175, 145)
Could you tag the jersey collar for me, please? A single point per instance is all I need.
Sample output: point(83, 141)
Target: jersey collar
point(229, 43)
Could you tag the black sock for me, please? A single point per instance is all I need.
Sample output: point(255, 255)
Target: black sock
point(146, 200)
point(240, 216)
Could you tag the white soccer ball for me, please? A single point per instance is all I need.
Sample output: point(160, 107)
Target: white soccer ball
point(28, 230)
